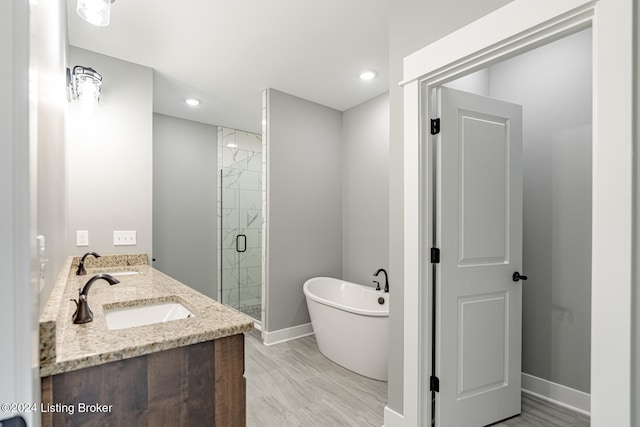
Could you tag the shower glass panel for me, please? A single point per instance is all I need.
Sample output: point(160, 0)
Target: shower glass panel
point(241, 223)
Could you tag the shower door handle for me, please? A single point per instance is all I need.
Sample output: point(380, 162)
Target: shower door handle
point(244, 243)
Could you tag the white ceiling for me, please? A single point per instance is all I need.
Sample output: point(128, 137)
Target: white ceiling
point(225, 52)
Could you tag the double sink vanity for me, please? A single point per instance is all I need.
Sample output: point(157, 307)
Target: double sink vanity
point(155, 353)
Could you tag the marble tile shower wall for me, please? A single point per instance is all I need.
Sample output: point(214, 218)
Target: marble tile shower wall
point(240, 213)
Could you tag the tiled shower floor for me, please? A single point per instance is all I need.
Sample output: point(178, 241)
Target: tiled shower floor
point(252, 311)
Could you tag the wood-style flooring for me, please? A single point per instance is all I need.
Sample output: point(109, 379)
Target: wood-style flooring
point(293, 384)
point(541, 413)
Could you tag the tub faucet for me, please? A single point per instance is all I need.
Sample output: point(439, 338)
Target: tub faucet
point(386, 278)
point(81, 270)
point(83, 313)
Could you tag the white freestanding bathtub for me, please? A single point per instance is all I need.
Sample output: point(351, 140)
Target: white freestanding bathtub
point(350, 324)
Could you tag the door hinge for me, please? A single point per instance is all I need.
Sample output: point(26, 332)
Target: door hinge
point(435, 255)
point(434, 384)
point(435, 126)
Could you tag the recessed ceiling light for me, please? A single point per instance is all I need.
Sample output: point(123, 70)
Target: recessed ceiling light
point(368, 75)
point(193, 102)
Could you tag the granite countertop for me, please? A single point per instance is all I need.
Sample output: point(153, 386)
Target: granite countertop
point(65, 346)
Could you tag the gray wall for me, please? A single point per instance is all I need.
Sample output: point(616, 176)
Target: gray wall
point(110, 157)
point(365, 191)
point(49, 47)
point(553, 84)
point(185, 179)
point(413, 24)
point(305, 203)
point(48, 158)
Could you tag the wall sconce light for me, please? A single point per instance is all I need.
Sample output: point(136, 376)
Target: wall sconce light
point(84, 86)
point(96, 12)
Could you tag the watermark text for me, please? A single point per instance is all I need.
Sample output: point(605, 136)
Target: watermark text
point(67, 408)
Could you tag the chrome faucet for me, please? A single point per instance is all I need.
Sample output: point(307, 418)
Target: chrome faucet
point(81, 271)
point(83, 313)
point(386, 279)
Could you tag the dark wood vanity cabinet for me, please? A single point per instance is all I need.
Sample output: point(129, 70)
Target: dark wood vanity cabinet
point(196, 385)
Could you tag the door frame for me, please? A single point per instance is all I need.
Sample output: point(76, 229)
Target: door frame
point(518, 27)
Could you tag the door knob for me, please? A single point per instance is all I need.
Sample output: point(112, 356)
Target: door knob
point(516, 277)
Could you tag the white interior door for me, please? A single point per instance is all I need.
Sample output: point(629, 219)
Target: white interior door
point(479, 233)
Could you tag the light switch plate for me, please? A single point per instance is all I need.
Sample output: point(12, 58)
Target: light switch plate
point(82, 238)
point(124, 238)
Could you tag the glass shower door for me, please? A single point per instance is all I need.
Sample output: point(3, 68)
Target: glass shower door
point(241, 236)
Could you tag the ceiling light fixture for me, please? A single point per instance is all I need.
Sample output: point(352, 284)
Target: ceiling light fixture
point(85, 87)
point(368, 75)
point(96, 12)
point(193, 102)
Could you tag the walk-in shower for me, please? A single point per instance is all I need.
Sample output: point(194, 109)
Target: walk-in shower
point(240, 221)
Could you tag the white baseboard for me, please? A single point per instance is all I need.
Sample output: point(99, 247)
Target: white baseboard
point(287, 334)
point(392, 418)
point(560, 395)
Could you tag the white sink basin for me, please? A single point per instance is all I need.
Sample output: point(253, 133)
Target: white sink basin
point(122, 318)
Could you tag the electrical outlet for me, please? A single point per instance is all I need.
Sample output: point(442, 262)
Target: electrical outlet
point(124, 238)
point(82, 238)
